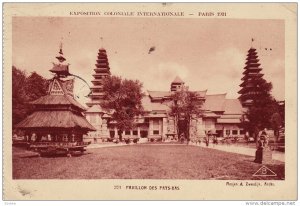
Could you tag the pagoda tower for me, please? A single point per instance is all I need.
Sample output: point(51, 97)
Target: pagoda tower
point(177, 84)
point(95, 115)
point(251, 79)
point(102, 70)
point(57, 116)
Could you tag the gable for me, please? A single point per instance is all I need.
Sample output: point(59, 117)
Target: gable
point(55, 88)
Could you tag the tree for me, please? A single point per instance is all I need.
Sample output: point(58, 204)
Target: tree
point(276, 123)
point(259, 115)
point(185, 105)
point(123, 100)
point(36, 86)
point(19, 109)
point(24, 90)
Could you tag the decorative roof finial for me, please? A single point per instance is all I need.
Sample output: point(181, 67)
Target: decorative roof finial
point(60, 56)
point(61, 46)
point(252, 40)
point(101, 38)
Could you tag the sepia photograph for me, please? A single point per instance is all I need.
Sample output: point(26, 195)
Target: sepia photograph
point(105, 96)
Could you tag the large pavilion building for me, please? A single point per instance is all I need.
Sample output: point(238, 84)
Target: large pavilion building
point(220, 115)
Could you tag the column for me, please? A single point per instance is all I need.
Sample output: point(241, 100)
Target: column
point(116, 132)
point(164, 128)
point(200, 128)
point(139, 132)
point(150, 127)
point(104, 128)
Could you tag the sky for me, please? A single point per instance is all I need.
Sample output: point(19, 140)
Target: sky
point(208, 54)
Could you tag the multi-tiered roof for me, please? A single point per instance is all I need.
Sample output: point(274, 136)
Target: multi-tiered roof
point(251, 79)
point(102, 70)
point(57, 111)
point(176, 84)
point(215, 106)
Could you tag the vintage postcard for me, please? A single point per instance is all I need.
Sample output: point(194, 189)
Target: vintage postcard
point(150, 101)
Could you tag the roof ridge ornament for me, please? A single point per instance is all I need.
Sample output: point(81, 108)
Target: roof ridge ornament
point(252, 40)
point(101, 44)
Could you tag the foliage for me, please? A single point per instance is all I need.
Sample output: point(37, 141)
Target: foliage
point(185, 106)
point(259, 114)
point(276, 123)
point(24, 90)
point(123, 99)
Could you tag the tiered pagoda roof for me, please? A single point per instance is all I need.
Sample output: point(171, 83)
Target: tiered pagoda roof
point(58, 110)
point(60, 68)
point(176, 84)
point(252, 77)
point(102, 70)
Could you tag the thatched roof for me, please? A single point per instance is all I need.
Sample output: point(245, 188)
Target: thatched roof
point(55, 119)
point(58, 100)
point(62, 69)
point(94, 109)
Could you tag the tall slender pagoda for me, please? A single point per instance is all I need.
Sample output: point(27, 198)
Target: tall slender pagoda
point(95, 115)
point(102, 70)
point(57, 116)
point(252, 78)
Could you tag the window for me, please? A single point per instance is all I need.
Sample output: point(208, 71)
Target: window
point(155, 126)
point(112, 134)
point(144, 134)
point(134, 132)
point(242, 132)
point(227, 132)
point(155, 131)
point(234, 132)
point(127, 132)
point(219, 133)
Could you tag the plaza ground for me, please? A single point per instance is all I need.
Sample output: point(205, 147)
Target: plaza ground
point(142, 162)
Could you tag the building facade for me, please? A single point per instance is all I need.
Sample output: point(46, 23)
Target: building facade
point(220, 115)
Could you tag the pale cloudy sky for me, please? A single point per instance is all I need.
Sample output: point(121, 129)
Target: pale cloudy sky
point(206, 53)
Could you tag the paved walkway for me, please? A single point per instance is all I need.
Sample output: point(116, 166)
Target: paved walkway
point(92, 146)
point(280, 156)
